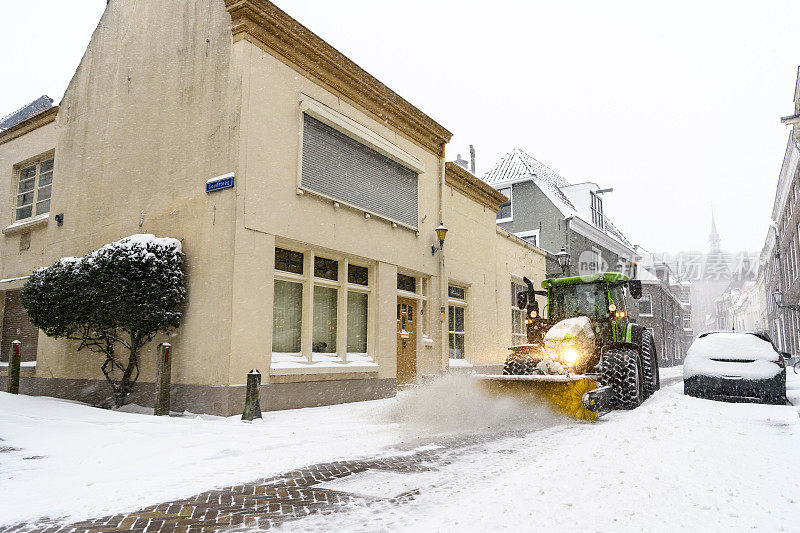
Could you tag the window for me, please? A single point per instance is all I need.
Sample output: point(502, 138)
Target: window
point(646, 305)
point(342, 168)
point(406, 283)
point(287, 317)
point(33, 191)
point(518, 328)
point(333, 299)
point(456, 292)
point(288, 261)
point(456, 331)
point(597, 209)
point(529, 236)
point(505, 213)
point(358, 275)
point(687, 322)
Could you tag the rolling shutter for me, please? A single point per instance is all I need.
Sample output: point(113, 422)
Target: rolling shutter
point(344, 169)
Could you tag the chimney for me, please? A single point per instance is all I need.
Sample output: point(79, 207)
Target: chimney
point(461, 162)
point(472, 159)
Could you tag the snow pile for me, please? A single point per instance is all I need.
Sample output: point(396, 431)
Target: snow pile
point(455, 404)
point(745, 347)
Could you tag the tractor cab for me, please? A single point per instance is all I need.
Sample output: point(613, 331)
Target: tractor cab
point(599, 297)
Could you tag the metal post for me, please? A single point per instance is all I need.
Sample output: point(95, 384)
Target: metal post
point(13, 368)
point(252, 402)
point(163, 379)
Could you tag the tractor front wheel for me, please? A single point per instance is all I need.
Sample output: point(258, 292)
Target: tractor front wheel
point(622, 370)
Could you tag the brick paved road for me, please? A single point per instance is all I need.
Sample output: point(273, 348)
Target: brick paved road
point(267, 502)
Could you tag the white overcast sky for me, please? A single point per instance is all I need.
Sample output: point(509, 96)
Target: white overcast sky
point(675, 105)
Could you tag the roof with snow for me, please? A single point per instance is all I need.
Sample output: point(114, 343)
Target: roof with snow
point(518, 166)
point(43, 103)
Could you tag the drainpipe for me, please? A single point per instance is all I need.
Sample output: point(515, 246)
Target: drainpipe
point(443, 332)
point(567, 220)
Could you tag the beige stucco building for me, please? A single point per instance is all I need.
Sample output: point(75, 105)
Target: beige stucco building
point(316, 267)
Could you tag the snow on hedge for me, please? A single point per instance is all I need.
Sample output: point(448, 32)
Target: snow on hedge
point(731, 345)
point(113, 299)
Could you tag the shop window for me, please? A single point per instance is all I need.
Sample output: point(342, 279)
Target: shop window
point(357, 314)
point(321, 290)
point(287, 317)
point(325, 313)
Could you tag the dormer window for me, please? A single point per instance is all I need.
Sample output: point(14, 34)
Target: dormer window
point(597, 210)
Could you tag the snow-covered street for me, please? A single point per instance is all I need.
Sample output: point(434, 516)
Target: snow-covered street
point(675, 463)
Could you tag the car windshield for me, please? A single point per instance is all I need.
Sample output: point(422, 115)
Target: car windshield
point(588, 299)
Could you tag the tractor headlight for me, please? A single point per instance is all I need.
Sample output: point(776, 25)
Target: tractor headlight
point(570, 355)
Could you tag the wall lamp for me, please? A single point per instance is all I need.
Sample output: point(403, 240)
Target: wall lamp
point(564, 260)
point(778, 295)
point(441, 232)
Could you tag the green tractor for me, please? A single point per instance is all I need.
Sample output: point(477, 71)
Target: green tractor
point(584, 352)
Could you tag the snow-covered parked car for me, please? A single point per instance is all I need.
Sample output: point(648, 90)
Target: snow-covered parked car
point(735, 366)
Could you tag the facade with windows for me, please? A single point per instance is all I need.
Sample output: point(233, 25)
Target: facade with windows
point(544, 209)
point(665, 310)
point(316, 267)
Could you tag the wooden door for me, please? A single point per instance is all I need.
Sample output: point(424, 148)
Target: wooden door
point(407, 314)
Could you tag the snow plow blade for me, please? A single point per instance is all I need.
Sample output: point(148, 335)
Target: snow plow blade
point(564, 393)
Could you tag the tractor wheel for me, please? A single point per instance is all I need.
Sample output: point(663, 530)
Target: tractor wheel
point(520, 365)
point(611, 373)
point(622, 371)
point(632, 393)
point(649, 365)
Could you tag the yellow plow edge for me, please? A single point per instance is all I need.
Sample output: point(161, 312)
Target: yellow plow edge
point(564, 393)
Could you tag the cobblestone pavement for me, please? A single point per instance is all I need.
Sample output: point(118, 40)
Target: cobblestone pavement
point(267, 502)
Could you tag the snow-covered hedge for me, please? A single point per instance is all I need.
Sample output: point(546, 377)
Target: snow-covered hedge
point(124, 293)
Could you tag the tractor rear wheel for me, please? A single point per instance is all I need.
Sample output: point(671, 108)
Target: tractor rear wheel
point(649, 365)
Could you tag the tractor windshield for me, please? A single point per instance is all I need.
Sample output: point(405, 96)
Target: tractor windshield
point(586, 299)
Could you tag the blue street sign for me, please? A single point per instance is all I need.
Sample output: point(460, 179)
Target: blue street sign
point(220, 182)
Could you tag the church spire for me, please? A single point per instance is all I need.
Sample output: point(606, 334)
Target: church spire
point(713, 238)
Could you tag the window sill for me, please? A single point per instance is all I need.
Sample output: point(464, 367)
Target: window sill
point(501, 220)
point(460, 363)
point(28, 223)
point(288, 368)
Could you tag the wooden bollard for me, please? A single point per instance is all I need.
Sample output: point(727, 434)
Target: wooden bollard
point(252, 402)
point(13, 368)
point(163, 379)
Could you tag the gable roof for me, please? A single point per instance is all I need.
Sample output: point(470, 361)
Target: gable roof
point(43, 103)
point(518, 166)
